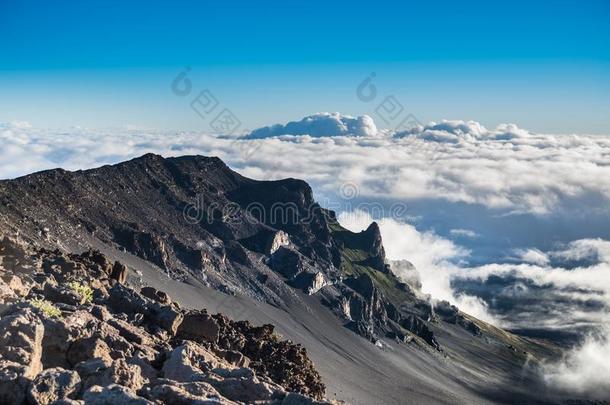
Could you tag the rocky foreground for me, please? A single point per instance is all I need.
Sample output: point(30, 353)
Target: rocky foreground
point(72, 332)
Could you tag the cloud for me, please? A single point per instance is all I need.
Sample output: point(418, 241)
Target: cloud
point(455, 131)
point(321, 125)
point(15, 125)
point(582, 253)
point(463, 233)
point(585, 370)
point(533, 256)
point(539, 294)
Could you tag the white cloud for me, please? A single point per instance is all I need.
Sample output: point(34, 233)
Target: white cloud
point(321, 125)
point(463, 233)
point(15, 125)
point(587, 250)
point(454, 131)
point(585, 370)
point(541, 296)
point(533, 256)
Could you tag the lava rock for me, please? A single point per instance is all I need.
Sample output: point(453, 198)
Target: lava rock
point(53, 384)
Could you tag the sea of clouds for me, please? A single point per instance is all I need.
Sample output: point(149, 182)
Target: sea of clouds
point(512, 226)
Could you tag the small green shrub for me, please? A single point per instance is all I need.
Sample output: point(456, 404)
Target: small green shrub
point(84, 291)
point(46, 307)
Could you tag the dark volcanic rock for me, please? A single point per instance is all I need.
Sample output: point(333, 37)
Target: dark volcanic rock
point(419, 327)
point(197, 326)
point(155, 295)
point(52, 385)
point(119, 272)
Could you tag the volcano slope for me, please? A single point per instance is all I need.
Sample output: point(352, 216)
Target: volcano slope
point(266, 251)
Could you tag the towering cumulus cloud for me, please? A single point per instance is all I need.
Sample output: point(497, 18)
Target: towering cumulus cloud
point(321, 124)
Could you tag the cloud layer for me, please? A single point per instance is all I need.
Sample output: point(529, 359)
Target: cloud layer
point(321, 125)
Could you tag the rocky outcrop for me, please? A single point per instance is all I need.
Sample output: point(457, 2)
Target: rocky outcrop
point(21, 340)
point(310, 283)
point(416, 325)
point(20, 353)
point(451, 314)
point(156, 295)
point(168, 317)
point(120, 346)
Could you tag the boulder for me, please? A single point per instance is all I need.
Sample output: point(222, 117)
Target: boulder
point(247, 389)
point(119, 372)
point(233, 357)
point(120, 347)
point(168, 317)
point(112, 395)
point(155, 295)
point(16, 284)
point(53, 384)
point(130, 332)
point(188, 360)
point(101, 313)
point(198, 326)
point(119, 272)
point(188, 393)
point(90, 367)
point(21, 336)
point(13, 383)
point(61, 294)
point(88, 348)
point(123, 299)
point(55, 343)
point(146, 369)
point(7, 295)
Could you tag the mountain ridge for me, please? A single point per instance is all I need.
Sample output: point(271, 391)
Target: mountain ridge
point(195, 219)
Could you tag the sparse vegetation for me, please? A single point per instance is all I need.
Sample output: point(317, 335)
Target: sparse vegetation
point(84, 291)
point(46, 307)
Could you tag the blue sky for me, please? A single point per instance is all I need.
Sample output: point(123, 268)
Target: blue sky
point(542, 65)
